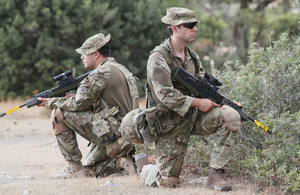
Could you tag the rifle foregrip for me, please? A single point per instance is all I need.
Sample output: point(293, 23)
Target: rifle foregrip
point(32, 102)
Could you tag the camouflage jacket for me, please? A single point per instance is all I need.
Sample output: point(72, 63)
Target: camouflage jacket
point(159, 77)
point(106, 82)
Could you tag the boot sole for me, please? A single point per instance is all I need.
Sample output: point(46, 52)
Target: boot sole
point(78, 174)
point(223, 188)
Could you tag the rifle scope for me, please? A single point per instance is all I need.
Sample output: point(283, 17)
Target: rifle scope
point(63, 75)
point(212, 80)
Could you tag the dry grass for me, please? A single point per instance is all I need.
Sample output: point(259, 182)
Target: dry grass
point(29, 154)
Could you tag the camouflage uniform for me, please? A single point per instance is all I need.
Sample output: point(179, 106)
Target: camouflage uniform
point(171, 147)
point(88, 112)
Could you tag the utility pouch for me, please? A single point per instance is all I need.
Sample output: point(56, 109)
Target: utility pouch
point(141, 129)
point(106, 124)
point(155, 124)
point(146, 126)
point(149, 124)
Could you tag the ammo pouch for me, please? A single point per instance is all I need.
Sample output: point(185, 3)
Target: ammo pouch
point(146, 126)
point(149, 123)
point(140, 122)
point(106, 124)
point(105, 127)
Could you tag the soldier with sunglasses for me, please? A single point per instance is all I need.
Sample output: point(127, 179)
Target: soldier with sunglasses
point(182, 115)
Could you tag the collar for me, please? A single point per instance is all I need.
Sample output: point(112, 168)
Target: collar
point(106, 60)
point(187, 53)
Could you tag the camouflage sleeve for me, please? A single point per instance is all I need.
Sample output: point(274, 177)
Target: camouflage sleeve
point(160, 76)
point(88, 92)
point(52, 102)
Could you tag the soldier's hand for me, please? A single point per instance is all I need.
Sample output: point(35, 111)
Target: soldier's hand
point(43, 101)
point(68, 95)
point(204, 105)
point(238, 103)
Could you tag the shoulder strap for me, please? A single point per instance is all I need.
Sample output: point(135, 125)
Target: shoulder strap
point(131, 81)
point(163, 50)
point(197, 61)
point(169, 59)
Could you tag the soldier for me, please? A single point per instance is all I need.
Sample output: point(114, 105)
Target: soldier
point(95, 113)
point(181, 114)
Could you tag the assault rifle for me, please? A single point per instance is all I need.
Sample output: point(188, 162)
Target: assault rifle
point(65, 81)
point(207, 88)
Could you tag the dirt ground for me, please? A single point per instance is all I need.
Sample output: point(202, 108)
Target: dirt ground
point(29, 153)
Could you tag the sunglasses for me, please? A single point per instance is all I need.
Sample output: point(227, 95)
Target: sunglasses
point(190, 25)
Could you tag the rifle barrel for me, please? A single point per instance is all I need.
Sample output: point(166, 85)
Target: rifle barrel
point(11, 110)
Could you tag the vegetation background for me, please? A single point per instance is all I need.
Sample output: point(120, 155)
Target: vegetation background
point(252, 46)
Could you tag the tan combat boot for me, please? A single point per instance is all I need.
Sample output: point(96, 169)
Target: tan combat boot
point(73, 170)
point(217, 180)
point(127, 164)
point(141, 160)
point(169, 182)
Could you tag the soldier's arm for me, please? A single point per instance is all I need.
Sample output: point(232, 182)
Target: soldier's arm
point(160, 76)
point(88, 92)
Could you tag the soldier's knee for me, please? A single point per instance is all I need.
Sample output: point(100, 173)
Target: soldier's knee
point(58, 121)
point(170, 182)
point(231, 118)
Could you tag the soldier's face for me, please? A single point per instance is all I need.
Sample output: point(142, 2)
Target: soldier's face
point(187, 32)
point(89, 60)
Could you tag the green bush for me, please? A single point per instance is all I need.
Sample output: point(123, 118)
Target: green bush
point(38, 38)
point(268, 87)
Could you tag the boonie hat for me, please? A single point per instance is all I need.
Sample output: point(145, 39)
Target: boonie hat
point(94, 43)
point(178, 15)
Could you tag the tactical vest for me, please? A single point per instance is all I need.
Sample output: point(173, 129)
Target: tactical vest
point(131, 81)
point(164, 50)
point(106, 123)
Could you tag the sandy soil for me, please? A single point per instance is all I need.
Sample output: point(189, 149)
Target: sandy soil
point(29, 153)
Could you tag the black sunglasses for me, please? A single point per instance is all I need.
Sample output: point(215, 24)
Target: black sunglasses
point(190, 25)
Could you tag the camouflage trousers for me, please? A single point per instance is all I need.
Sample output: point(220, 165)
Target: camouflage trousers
point(223, 121)
point(67, 124)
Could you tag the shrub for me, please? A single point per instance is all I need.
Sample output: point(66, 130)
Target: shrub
point(268, 86)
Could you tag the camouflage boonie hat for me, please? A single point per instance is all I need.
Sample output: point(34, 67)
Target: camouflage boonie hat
point(94, 43)
point(178, 15)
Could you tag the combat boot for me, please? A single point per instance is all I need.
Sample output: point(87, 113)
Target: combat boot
point(217, 180)
point(141, 160)
point(127, 164)
point(73, 170)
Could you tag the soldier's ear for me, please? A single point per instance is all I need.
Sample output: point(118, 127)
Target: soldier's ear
point(174, 28)
point(97, 54)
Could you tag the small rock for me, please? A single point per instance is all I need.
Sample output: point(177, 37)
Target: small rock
point(25, 177)
point(26, 192)
point(109, 183)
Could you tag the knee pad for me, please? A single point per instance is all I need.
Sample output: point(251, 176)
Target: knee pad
point(170, 182)
point(232, 119)
point(58, 121)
